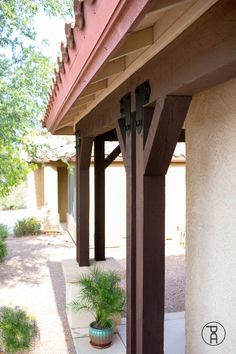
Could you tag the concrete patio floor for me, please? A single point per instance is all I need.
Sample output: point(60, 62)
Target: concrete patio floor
point(174, 337)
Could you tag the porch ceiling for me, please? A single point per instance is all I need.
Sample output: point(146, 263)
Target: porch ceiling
point(134, 35)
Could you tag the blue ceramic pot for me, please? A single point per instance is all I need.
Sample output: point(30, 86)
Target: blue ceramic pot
point(100, 337)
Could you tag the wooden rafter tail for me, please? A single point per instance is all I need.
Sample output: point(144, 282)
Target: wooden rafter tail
point(79, 14)
point(61, 66)
point(70, 41)
point(58, 77)
point(54, 93)
point(91, 2)
point(64, 53)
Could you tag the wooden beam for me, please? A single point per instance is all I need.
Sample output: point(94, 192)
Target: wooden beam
point(92, 88)
point(209, 46)
point(164, 132)
point(112, 68)
point(112, 156)
point(128, 148)
point(109, 135)
point(75, 110)
point(99, 174)
point(120, 129)
point(131, 237)
point(150, 246)
point(82, 101)
point(68, 130)
point(83, 156)
point(135, 41)
point(182, 136)
point(163, 5)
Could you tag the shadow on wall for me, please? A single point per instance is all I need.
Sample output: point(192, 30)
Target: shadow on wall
point(59, 288)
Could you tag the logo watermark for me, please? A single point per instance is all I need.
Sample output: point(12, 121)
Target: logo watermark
point(213, 333)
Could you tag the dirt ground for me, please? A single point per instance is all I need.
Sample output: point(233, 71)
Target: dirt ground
point(31, 276)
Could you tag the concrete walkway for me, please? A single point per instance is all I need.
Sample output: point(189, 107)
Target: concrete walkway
point(31, 276)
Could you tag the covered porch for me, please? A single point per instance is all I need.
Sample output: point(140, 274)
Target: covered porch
point(149, 74)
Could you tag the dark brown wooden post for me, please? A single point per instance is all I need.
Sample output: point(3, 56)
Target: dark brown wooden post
point(131, 237)
point(127, 138)
point(99, 173)
point(157, 134)
point(83, 156)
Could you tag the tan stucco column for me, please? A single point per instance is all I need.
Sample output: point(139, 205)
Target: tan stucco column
point(211, 221)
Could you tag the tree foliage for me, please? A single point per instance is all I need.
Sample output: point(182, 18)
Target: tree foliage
point(25, 76)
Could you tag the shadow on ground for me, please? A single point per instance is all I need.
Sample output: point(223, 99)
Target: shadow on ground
point(26, 261)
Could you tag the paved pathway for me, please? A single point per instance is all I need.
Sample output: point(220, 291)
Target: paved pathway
point(31, 276)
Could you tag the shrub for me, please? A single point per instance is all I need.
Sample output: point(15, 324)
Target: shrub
point(28, 226)
point(3, 249)
point(17, 330)
point(3, 232)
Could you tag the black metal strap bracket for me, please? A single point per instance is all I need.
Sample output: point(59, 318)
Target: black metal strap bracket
point(142, 94)
point(125, 110)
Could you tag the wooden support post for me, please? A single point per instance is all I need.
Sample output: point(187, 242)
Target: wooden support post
point(83, 155)
point(131, 238)
point(127, 138)
point(155, 144)
point(99, 172)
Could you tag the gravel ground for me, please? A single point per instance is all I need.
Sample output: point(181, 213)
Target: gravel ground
point(175, 283)
point(31, 276)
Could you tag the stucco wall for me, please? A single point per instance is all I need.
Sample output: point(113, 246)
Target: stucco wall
point(116, 204)
point(35, 198)
point(211, 221)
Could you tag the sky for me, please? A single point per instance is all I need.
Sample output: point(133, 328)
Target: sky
point(51, 29)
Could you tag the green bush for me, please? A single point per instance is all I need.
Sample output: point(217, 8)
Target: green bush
point(3, 249)
point(3, 232)
point(28, 226)
point(17, 330)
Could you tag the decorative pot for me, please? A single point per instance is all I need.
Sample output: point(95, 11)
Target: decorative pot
point(100, 337)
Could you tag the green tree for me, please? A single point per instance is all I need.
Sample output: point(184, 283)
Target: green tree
point(25, 76)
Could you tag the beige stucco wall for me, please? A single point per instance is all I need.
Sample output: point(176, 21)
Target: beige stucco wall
point(211, 221)
point(116, 204)
point(35, 198)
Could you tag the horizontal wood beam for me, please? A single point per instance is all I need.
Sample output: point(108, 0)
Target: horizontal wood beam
point(68, 130)
point(135, 41)
point(92, 88)
point(109, 136)
point(163, 5)
point(112, 156)
point(75, 111)
point(84, 100)
point(112, 68)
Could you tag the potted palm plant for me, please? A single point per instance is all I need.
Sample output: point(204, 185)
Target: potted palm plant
point(101, 294)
